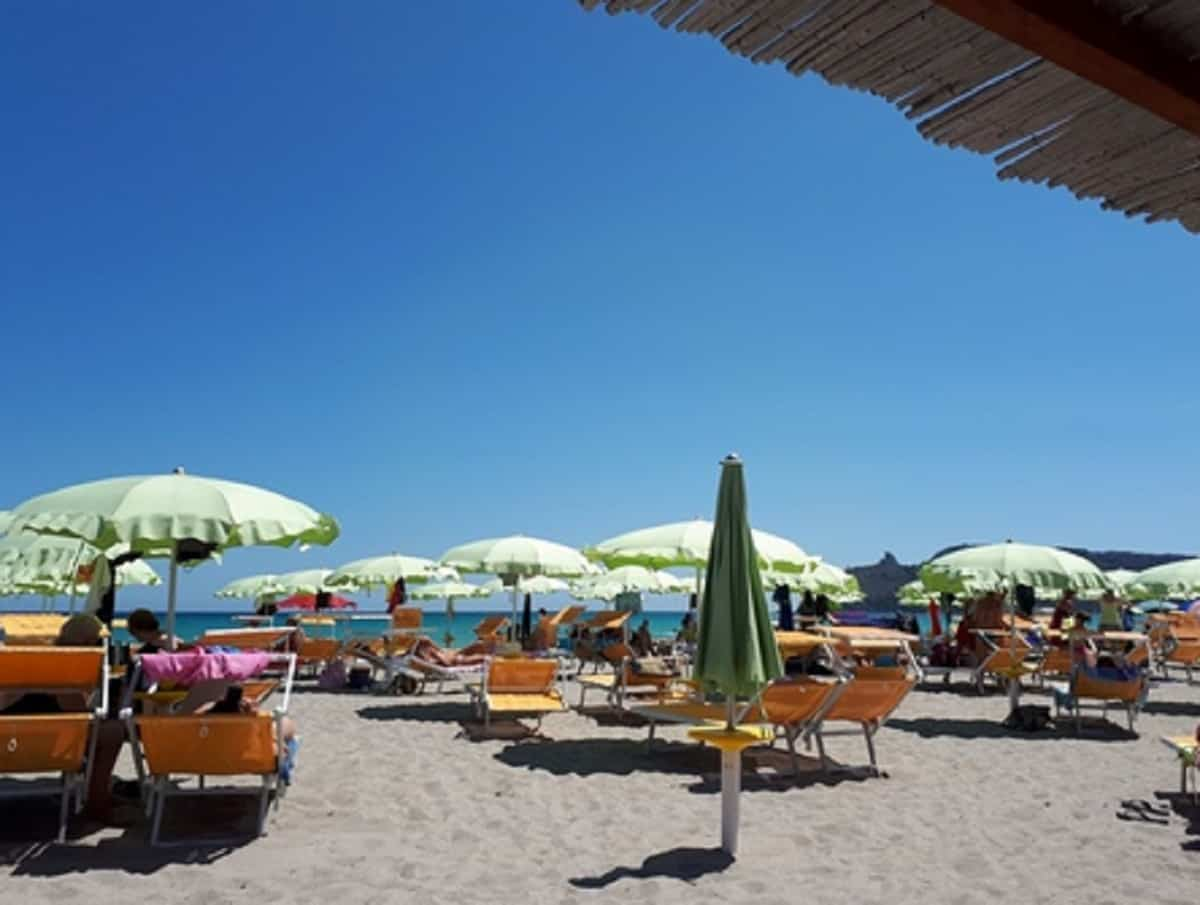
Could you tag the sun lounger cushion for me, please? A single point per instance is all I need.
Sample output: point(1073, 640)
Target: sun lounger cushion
point(649, 666)
point(524, 703)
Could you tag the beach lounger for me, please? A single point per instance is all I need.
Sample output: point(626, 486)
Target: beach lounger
point(1187, 751)
point(794, 708)
point(211, 745)
point(1181, 653)
point(1125, 693)
point(1055, 661)
point(867, 700)
point(625, 680)
point(1006, 660)
point(264, 639)
point(63, 743)
point(491, 627)
point(518, 688)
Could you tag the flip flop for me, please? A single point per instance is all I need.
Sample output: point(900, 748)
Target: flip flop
point(1140, 817)
point(1145, 807)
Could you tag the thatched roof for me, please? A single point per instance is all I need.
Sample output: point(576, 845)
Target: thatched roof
point(1100, 96)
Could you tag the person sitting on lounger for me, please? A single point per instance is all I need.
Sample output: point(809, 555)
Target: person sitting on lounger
point(145, 628)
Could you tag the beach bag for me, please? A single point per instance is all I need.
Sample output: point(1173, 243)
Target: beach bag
point(333, 676)
point(1028, 718)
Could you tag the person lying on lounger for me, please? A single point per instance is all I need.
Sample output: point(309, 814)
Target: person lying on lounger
point(472, 655)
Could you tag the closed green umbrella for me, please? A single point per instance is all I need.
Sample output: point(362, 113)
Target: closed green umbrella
point(737, 651)
point(164, 515)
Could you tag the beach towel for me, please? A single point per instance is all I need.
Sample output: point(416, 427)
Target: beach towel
point(189, 667)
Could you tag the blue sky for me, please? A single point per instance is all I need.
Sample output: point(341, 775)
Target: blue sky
point(463, 269)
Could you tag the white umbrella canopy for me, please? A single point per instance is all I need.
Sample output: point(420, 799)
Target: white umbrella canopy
point(252, 587)
point(996, 566)
point(1173, 580)
point(384, 571)
point(535, 584)
point(6, 518)
point(51, 566)
point(630, 580)
point(686, 544)
point(157, 514)
point(823, 578)
point(449, 589)
point(516, 557)
point(306, 581)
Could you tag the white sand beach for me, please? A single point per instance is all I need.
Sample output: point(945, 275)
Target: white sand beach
point(394, 801)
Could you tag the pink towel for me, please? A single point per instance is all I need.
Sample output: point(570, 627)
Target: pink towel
point(190, 667)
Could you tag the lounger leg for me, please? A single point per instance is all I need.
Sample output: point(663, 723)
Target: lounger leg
point(263, 802)
point(869, 735)
point(821, 751)
point(650, 737)
point(201, 779)
point(65, 807)
point(791, 743)
point(160, 795)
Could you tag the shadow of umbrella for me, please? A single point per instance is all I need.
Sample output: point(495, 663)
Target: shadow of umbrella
point(687, 864)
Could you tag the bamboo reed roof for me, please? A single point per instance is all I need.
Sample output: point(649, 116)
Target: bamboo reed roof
point(966, 86)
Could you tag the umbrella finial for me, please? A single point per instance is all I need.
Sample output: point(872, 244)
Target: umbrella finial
point(732, 459)
point(178, 470)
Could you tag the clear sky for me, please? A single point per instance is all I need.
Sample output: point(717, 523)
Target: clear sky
point(451, 270)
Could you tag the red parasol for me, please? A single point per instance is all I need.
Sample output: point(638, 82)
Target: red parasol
point(308, 602)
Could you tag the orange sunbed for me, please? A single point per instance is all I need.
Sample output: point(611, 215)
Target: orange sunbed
point(53, 743)
point(520, 687)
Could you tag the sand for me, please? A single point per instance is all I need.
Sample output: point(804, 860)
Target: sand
point(395, 802)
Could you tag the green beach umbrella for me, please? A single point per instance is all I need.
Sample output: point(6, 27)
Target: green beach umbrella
point(629, 580)
point(164, 515)
point(252, 587)
point(516, 557)
point(823, 578)
point(5, 520)
point(449, 590)
point(1180, 580)
point(385, 571)
point(50, 566)
point(997, 566)
point(1004, 566)
point(737, 652)
point(306, 581)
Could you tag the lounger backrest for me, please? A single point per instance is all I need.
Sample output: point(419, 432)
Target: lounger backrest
point(246, 638)
point(490, 625)
point(521, 676)
point(568, 615)
point(407, 617)
point(1086, 686)
point(44, 743)
point(616, 653)
point(868, 700)
point(1185, 652)
point(31, 628)
point(1057, 660)
point(319, 648)
point(788, 702)
point(51, 668)
point(209, 744)
point(608, 619)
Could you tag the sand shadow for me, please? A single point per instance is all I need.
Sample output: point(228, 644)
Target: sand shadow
point(1091, 729)
point(1185, 805)
point(606, 716)
point(1171, 708)
point(440, 712)
point(764, 769)
point(686, 864)
point(28, 846)
point(499, 730)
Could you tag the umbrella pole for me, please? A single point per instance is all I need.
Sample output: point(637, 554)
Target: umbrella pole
point(512, 629)
point(731, 786)
point(172, 581)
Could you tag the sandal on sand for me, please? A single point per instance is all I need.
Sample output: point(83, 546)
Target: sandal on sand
point(1142, 812)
